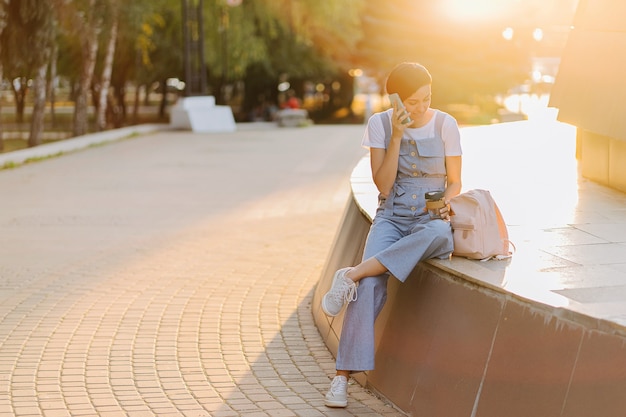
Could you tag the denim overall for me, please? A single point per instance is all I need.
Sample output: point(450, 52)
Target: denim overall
point(402, 234)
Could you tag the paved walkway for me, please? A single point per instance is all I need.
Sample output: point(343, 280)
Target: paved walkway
point(171, 275)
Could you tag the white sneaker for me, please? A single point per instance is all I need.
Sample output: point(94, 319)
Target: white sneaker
point(337, 395)
point(343, 290)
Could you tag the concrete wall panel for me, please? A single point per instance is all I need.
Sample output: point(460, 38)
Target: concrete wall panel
point(438, 335)
point(531, 364)
point(599, 377)
point(595, 162)
point(617, 164)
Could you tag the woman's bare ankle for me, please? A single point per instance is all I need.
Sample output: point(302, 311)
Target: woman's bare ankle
point(350, 274)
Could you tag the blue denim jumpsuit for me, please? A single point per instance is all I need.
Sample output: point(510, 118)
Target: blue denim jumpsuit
point(402, 234)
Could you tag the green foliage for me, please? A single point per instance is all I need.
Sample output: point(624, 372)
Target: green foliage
point(27, 38)
point(305, 38)
point(165, 55)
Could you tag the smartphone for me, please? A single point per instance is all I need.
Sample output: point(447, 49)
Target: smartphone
point(395, 98)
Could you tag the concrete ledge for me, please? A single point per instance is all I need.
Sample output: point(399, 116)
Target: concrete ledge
point(538, 335)
point(47, 150)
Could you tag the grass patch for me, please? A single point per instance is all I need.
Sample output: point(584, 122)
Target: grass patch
point(15, 135)
point(9, 165)
point(11, 145)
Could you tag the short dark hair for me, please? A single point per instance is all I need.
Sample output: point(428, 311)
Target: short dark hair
point(406, 78)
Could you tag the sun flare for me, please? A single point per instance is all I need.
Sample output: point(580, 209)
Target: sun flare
point(476, 10)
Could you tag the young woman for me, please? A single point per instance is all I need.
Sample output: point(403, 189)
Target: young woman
point(408, 159)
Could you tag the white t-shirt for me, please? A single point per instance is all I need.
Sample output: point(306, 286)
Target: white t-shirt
point(374, 136)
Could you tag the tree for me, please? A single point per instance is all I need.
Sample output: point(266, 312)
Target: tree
point(1, 127)
point(300, 40)
point(45, 35)
point(129, 40)
point(159, 45)
point(105, 80)
point(3, 22)
point(52, 77)
point(83, 20)
point(27, 44)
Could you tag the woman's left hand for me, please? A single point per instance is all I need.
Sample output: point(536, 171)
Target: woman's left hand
point(445, 212)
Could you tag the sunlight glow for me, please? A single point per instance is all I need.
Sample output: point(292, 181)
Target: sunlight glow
point(508, 33)
point(476, 9)
point(355, 72)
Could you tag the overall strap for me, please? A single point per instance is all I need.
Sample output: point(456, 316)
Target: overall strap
point(388, 202)
point(387, 128)
point(439, 119)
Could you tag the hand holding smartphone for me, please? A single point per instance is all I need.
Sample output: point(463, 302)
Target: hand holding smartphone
point(395, 99)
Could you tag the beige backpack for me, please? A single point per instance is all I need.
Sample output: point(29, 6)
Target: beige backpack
point(478, 227)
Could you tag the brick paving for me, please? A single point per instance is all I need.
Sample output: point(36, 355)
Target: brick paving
point(171, 274)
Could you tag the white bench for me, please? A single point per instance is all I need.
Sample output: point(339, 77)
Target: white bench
point(200, 114)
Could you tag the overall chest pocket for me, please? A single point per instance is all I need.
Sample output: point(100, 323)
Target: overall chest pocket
point(431, 156)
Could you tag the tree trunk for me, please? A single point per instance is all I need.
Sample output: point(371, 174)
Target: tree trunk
point(94, 89)
point(163, 104)
point(39, 107)
point(51, 91)
point(1, 130)
point(81, 114)
point(120, 103)
point(90, 52)
point(106, 76)
point(136, 104)
point(20, 99)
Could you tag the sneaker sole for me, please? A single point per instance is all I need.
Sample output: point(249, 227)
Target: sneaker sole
point(336, 404)
point(324, 308)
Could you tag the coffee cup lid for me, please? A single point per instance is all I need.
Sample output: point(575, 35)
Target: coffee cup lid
point(433, 195)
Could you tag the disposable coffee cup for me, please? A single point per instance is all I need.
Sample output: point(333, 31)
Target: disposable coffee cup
point(434, 203)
